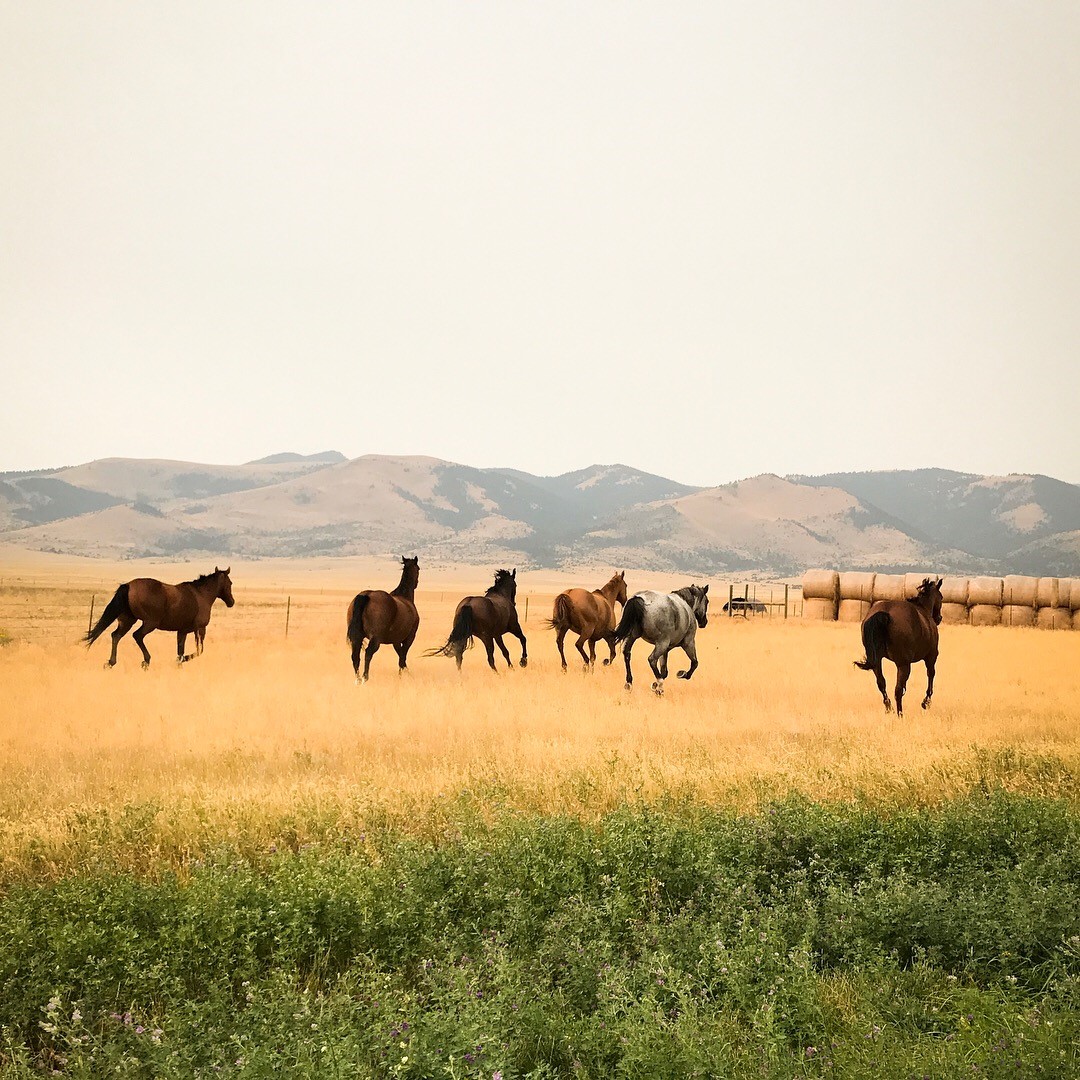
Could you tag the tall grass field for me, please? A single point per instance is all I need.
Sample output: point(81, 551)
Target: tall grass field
point(248, 865)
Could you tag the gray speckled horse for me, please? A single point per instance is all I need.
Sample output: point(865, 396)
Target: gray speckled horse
point(665, 620)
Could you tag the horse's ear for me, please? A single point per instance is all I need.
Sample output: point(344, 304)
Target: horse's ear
point(705, 590)
point(622, 574)
point(513, 573)
point(227, 569)
point(940, 582)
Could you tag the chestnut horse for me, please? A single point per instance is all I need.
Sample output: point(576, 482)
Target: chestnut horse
point(905, 632)
point(487, 617)
point(591, 615)
point(184, 608)
point(384, 619)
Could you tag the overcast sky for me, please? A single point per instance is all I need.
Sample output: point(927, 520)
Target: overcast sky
point(706, 239)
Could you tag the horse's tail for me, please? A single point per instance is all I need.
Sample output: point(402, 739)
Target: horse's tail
point(874, 638)
point(633, 619)
point(116, 607)
point(356, 621)
point(461, 634)
point(561, 615)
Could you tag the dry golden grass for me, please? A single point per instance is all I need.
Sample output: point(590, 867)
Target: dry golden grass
point(266, 741)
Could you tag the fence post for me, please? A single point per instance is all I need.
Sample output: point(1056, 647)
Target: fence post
point(288, 611)
point(785, 600)
point(526, 609)
point(90, 627)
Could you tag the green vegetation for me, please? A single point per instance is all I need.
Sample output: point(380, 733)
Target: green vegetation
point(803, 940)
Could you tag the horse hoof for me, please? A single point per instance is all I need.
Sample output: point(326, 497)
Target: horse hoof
point(524, 662)
point(682, 675)
point(146, 665)
point(109, 664)
point(658, 688)
point(926, 703)
point(628, 686)
point(607, 663)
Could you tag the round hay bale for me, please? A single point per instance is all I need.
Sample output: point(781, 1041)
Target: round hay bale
point(821, 585)
point(1076, 620)
point(954, 590)
point(1053, 618)
point(1018, 591)
point(888, 587)
point(954, 614)
point(1074, 594)
point(818, 609)
point(1017, 615)
point(985, 615)
point(983, 591)
point(912, 583)
point(856, 586)
point(1047, 590)
point(853, 610)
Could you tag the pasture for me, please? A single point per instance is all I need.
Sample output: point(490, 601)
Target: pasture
point(530, 873)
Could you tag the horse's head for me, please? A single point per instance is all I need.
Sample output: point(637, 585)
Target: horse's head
point(224, 585)
point(930, 595)
point(410, 571)
point(619, 581)
point(701, 604)
point(505, 583)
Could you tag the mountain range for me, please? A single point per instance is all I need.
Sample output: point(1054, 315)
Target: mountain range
point(325, 504)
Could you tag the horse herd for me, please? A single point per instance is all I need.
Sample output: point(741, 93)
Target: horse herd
point(903, 631)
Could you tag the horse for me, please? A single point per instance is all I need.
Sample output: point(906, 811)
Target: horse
point(905, 632)
point(184, 608)
point(665, 620)
point(591, 615)
point(487, 617)
point(384, 619)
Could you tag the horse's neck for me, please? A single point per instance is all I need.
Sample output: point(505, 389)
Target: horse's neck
point(609, 591)
point(406, 590)
point(207, 592)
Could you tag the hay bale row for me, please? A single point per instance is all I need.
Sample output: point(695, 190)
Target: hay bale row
point(819, 608)
point(888, 587)
point(1047, 591)
point(821, 585)
point(954, 590)
point(853, 610)
point(1074, 594)
point(985, 615)
point(1019, 591)
point(857, 586)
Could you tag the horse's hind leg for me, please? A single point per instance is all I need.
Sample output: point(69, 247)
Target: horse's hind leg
point(505, 651)
point(402, 651)
point(200, 640)
point(357, 649)
point(139, 635)
point(626, 656)
point(931, 664)
point(369, 652)
point(580, 646)
point(883, 689)
point(690, 648)
point(658, 663)
point(181, 640)
point(610, 639)
point(122, 627)
point(560, 638)
point(902, 673)
point(489, 646)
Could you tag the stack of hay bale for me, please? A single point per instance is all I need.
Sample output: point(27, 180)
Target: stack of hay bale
point(856, 596)
point(954, 601)
point(984, 601)
point(1018, 600)
point(1052, 604)
point(821, 595)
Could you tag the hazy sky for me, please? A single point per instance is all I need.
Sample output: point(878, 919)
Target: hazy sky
point(706, 239)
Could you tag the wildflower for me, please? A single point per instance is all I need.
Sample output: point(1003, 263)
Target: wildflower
point(811, 1051)
point(76, 1016)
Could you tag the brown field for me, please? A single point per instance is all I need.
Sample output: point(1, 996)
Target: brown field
point(265, 740)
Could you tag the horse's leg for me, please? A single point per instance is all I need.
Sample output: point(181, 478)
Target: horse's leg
point(592, 653)
point(658, 663)
point(631, 638)
point(560, 637)
point(357, 649)
point(369, 652)
point(489, 645)
point(138, 636)
point(931, 664)
point(580, 646)
point(122, 627)
point(505, 651)
point(690, 648)
point(902, 673)
point(403, 653)
point(883, 690)
point(181, 638)
point(610, 639)
point(200, 639)
point(515, 629)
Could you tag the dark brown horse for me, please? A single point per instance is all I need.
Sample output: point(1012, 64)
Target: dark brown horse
point(905, 632)
point(487, 617)
point(184, 608)
point(385, 619)
point(591, 615)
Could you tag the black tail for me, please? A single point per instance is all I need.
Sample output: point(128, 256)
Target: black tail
point(875, 633)
point(560, 617)
point(633, 619)
point(356, 623)
point(116, 607)
point(461, 634)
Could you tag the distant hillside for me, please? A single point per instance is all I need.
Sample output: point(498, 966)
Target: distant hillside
point(614, 515)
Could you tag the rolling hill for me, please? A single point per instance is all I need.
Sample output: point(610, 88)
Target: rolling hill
point(324, 504)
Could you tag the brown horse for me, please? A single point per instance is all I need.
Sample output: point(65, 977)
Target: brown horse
point(487, 617)
point(905, 632)
point(591, 615)
point(384, 619)
point(184, 608)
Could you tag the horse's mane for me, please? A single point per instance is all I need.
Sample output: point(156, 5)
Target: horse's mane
point(502, 578)
point(926, 586)
point(203, 577)
point(688, 593)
